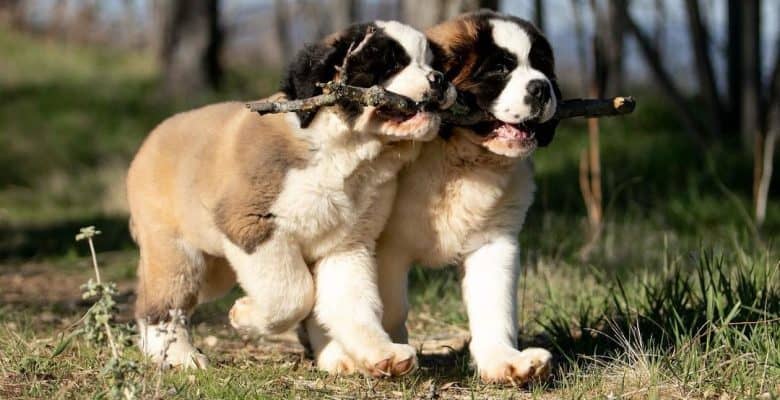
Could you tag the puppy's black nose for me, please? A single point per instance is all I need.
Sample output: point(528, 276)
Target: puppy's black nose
point(539, 90)
point(438, 81)
point(442, 93)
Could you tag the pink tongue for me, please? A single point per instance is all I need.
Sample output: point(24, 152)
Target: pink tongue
point(508, 131)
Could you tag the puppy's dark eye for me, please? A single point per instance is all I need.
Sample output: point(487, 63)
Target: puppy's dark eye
point(499, 69)
point(493, 70)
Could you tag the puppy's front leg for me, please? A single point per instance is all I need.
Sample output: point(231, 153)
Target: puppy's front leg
point(278, 283)
point(393, 277)
point(490, 293)
point(349, 307)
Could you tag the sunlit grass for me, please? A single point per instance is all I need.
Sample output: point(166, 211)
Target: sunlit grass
point(678, 299)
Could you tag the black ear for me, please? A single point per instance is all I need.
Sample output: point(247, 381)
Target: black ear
point(311, 65)
point(546, 131)
point(317, 63)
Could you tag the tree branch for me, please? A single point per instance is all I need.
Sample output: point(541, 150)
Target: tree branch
point(377, 96)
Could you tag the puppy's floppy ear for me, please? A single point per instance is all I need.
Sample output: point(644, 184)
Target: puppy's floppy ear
point(546, 131)
point(312, 65)
point(317, 63)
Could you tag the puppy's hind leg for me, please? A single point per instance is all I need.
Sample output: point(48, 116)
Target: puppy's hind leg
point(169, 277)
point(278, 283)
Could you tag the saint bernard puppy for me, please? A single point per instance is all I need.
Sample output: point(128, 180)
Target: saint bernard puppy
point(464, 200)
point(288, 205)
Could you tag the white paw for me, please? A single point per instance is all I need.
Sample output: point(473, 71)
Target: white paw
point(241, 314)
point(390, 360)
point(184, 357)
point(247, 315)
point(169, 345)
point(333, 360)
point(508, 365)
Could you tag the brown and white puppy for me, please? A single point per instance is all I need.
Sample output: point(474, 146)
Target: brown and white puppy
point(220, 194)
point(464, 200)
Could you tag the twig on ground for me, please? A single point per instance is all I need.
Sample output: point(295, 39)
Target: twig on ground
point(377, 96)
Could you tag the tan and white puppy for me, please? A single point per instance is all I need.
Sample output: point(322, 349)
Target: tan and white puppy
point(464, 200)
point(220, 194)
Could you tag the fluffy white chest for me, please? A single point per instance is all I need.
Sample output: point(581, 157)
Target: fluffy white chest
point(329, 203)
point(458, 209)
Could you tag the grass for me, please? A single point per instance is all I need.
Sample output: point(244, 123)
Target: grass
point(680, 299)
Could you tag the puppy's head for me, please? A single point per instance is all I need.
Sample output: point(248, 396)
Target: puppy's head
point(504, 65)
point(388, 54)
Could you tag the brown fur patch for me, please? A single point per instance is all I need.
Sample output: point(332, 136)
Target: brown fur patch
point(453, 34)
point(266, 151)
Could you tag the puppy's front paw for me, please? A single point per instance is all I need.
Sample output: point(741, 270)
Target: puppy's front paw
point(391, 360)
point(510, 366)
point(333, 360)
point(242, 314)
point(169, 345)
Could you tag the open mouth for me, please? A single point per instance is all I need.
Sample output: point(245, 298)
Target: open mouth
point(510, 140)
point(391, 114)
point(523, 133)
point(422, 125)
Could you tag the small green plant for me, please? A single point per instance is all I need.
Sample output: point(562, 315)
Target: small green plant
point(98, 328)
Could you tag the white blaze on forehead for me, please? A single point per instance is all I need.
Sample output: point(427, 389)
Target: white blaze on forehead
point(412, 40)
point(512, 37)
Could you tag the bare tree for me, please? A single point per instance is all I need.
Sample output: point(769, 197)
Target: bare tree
point(590, 158)
point(734, 60)
point(765, 152)
point(693, 126)
point(423, 14)
point(282, 25)
point(582, 45)
point(539, 14)
point(751, 75)
point(704, 71)
point(190, 45)
point(58, 23)
point(659, 27)
point(342, 13)
point(14, 11)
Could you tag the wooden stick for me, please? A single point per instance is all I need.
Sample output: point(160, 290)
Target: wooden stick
point(336, 92)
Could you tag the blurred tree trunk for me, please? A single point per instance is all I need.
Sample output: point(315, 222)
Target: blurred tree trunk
point(282, 25)
point(15, 11)
point(609, 43)
point(539, 14)
point(582, 45)
point(765, 151)
point(130, 23)
point(700, 43)
point(751, 74)
point(424, 14)
point(693, 126)
point(342, 13)
point(85, 27)
point(735, 64)
point(190, 45)
point(59, 23)
point(659, 27)
point(590, 158)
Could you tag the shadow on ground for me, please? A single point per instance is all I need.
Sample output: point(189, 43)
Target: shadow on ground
point(24, 241)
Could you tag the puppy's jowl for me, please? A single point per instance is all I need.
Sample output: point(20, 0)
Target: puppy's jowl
point(220, 194)
point(464, 200)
